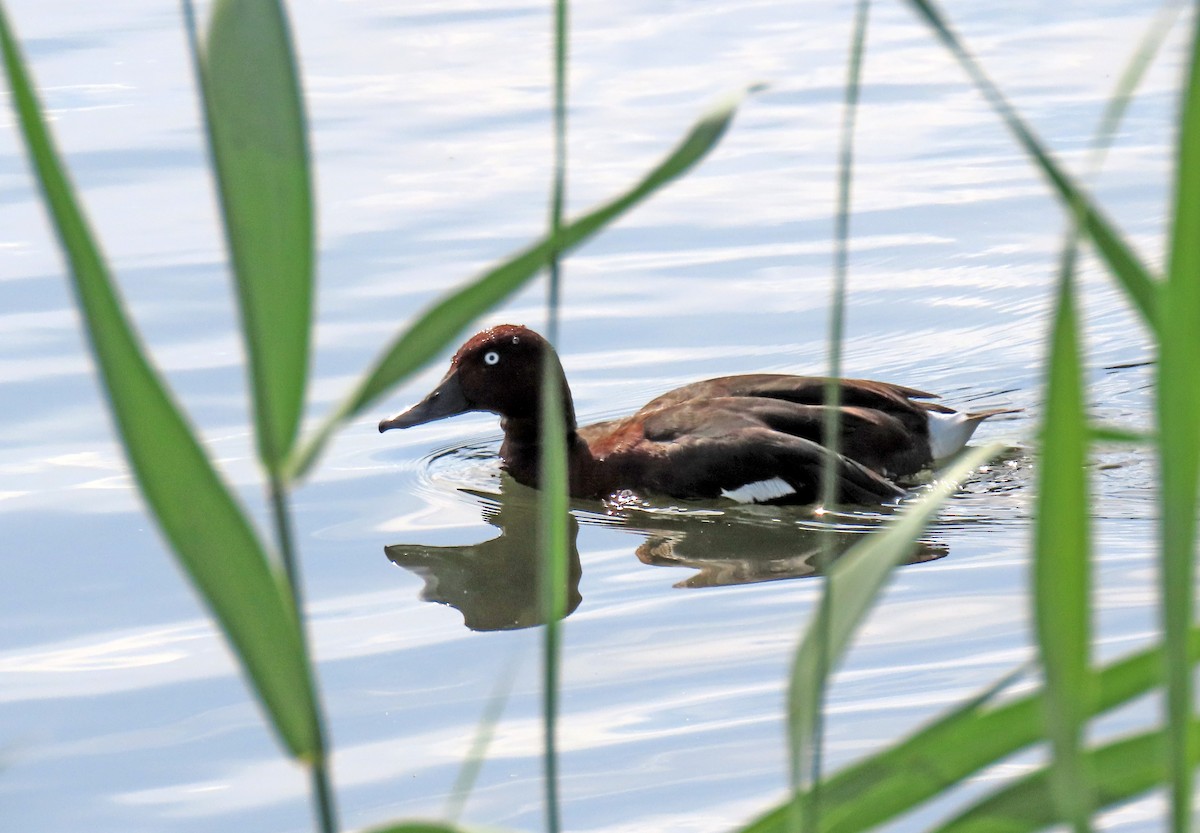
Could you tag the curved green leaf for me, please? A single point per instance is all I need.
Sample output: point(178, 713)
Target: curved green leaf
point(1123, 770)
point(1101, 433)
point(956, 746)
point(1061, 562)
point(256, 127)
point(1131, 274)
point(445, 320)
point(853, 584)
point(1179, 439)
point(195, 511)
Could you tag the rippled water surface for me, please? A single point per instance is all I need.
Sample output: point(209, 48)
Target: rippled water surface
point(120, 709)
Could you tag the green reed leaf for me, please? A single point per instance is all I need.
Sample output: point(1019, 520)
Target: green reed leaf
point(445, 320)
point(195, 511)
point(552, 461)
point(1179, 440)
point(1101, 433)
point(553, 548)
point(485, 730)
point(1131, 274)
point(956, 746)
point(806, 752)
point(254, 115)
point(852, 585)
point(1123, 770)
point(1061, 558)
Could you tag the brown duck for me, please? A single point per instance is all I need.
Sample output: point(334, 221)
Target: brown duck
point(752, 439)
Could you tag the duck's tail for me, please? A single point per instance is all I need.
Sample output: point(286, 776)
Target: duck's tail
point(950, 432)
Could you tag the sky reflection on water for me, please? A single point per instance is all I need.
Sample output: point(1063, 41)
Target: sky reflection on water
point(119, 705)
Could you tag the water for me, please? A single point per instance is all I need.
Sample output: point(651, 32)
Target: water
point(119, 706)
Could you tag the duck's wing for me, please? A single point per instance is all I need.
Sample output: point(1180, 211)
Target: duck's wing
point(899, 400)
point(759, 451)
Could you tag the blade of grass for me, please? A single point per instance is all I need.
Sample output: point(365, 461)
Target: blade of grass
point(477, 754)
point(1179, 440)
point(1061, 562)
point(445, 320)
point(254, 117)
point(811, 743)
point(958, 745)
point(257, 139)
point(552, 465)
point(195, 511)
point(553, 546)
point(1124, 769)
point(559, 185)
point(1131, 274)
point(1117, 434)
point(1062, 546)
point(853, 584)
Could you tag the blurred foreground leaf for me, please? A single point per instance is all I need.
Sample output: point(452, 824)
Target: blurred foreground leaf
point(956, 746)
point(1124, 769)
point(1061, 557)
point(1131, 274)
point(853, 584)
point(194, 509)
point(1179, 441)
point(256, 127)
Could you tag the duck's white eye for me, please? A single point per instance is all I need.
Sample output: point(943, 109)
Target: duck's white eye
point(491, 357)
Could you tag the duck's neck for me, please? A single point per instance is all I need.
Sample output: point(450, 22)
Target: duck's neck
point(522, 451)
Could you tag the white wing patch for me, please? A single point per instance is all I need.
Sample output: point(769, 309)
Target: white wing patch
point(760, 491)
point(948, 433)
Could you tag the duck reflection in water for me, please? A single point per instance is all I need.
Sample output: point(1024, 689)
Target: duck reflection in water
point(744, 547)
point(494, 584)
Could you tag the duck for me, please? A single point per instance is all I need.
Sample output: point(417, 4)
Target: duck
point(754, 438)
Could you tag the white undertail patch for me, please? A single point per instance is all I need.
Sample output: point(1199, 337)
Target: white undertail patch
point(949, 433)
point(760, 491)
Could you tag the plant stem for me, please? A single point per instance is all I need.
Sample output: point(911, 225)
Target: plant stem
point(807, 760)
point(558, 188)
point(324, 806)
point(553, 502)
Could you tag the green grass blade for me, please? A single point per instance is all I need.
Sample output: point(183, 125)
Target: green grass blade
point(807, 750)
point(1118, 434)
point(195, 511)
point(445, 320)
point(254, 115)
point(552, 463)
point(1179, 439)
point(558, 186)
point(958, 745)
point(1124, 769)
point(1061, 558)
point(1062, 546)
point(468, 773)
point(553, 551)
point(1131, 274)
point(853, 584)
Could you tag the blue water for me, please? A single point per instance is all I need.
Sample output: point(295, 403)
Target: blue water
point(120, 709)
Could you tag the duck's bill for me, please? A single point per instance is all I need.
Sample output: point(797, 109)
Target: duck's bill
point(446, 400)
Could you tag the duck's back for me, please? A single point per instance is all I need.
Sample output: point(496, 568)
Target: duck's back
point(885, 426)
point(715, 436)
point(898, 400)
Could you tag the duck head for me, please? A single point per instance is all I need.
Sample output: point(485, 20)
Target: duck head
point(499, 371)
